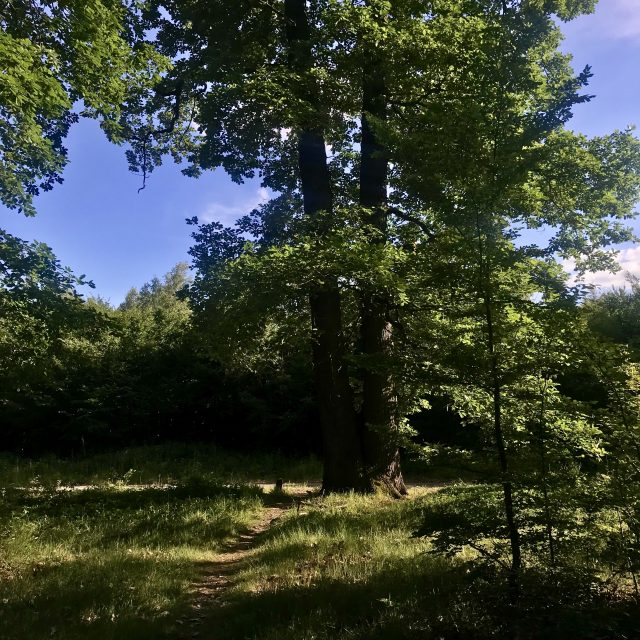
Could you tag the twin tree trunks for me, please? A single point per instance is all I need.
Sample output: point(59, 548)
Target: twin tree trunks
point(360, 450)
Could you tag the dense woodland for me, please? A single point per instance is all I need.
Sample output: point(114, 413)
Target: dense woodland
point(401, 301)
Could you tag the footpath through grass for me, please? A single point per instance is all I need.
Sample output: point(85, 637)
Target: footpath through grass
point(344, 566)
point(349, 567)
point(109, 562)
point(88, 551)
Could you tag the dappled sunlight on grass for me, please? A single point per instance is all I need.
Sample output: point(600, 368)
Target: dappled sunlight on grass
point(350, 567)
point(344, 566)
point(110, 562)
point(120, 561)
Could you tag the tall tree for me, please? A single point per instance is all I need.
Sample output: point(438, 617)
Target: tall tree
point(342, 449)
point(520, 169)
point(273, 83)
point(378, 393)
point(415, 100)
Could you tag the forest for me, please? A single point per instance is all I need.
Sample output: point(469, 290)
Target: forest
point(385, 403)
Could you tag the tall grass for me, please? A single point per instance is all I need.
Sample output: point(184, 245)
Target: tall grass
point(349, 567)
point(110, 562)
point(341, 567)
point(159, 464)
point(115, 559)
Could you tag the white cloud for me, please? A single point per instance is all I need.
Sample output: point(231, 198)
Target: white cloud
point(229, 212)
point(613, 19)
point(629, 260)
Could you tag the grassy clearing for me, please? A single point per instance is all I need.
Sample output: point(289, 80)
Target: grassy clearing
point(342, 567)
point(161, 464)
point(116, 560)
point(349, 567)
point(112, 561)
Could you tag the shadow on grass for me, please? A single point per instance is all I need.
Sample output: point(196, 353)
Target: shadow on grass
point(400, 602)
point(114, 592)
point(187, 514)
point(53, 503)
point(415, 599)
point(425, 595)
point(109, 597)
point(110, 562)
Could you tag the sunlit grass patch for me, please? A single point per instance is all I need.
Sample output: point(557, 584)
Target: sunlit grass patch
point(159, 464)
point(119, 561)
point(110, 562)
point(344, 566)
point(351, 567)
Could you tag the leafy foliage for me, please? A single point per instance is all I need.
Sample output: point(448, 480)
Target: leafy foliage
point(54, 54)
point(80, 375)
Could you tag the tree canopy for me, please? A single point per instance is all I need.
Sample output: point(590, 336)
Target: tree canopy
point(60, 60)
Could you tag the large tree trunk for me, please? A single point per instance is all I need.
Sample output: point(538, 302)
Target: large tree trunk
point(342, 448)
point(379, 415)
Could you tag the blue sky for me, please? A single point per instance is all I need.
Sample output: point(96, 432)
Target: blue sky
point(98, 224)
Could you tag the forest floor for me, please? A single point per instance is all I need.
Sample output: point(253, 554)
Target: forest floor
point(180, 543)
point(217, 578)
point(217, 575)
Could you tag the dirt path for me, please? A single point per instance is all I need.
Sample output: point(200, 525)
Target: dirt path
point(217, 577)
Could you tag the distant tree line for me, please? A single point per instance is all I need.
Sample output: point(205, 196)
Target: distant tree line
point(78, 376)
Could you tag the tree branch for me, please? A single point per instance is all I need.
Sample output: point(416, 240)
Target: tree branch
point(407, 217)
